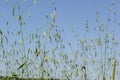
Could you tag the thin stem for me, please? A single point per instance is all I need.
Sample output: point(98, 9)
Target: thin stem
point(114, 70)
point(24, 56)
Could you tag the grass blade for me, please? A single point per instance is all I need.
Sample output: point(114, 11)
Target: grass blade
point(21, 66)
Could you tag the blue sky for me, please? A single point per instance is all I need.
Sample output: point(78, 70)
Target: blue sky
point(75, 13)
point(70, 14)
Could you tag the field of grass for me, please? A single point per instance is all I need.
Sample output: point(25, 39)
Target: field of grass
point(44, 53)
point(16, 78)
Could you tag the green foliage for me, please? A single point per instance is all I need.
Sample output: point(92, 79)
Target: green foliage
point(21, 66)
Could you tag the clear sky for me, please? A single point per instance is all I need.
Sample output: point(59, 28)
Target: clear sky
point(70, 14)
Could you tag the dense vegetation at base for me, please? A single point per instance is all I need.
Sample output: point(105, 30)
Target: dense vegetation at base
point(16, 78)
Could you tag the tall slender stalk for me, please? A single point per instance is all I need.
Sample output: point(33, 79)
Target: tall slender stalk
point(114, 70)
point(105, 55)
point(24, 56)
point(43, 56)
point(23, 44)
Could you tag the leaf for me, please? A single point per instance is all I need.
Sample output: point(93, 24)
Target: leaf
point(1, 41)
point(6, 39)
point(19, 32)
point(7, 23)
point(114, 13)
point(54, 16)
point(37, 52)
point(1, 32)
point(46, 16)
point(97, 13)
point(21, 42)
point(29, 50)
point(109, 19)
point(14, 75)
point(19, 18)
point(99, 42)
point(44, 34)
point(83, 67)
point(47, 59)
point(21, 66)
point(13, 11)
